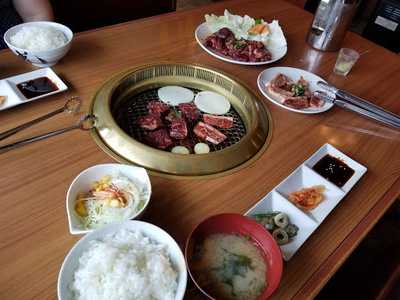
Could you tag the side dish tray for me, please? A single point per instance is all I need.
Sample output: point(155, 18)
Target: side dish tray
point(304, 177)
point(13, 95)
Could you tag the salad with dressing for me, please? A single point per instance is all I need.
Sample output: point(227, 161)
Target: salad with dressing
point(110, 199)
point(248, 28)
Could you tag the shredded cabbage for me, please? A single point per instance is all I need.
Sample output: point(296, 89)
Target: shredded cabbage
point(240, 27)
point(99, 214)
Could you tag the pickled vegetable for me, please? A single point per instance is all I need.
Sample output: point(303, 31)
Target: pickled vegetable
point(278, 224)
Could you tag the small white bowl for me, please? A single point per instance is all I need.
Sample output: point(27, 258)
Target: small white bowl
point(46, 58)
point(71, 261)
point(84, 181)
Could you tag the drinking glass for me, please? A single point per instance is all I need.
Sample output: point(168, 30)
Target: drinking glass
point(345, 61)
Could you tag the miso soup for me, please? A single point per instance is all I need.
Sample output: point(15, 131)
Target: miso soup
point(229, 267)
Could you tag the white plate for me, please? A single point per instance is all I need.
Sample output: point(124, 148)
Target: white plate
point(155, 233)
point(8, 87)
point(203, 32)
point(304, 176)
point(293, 73)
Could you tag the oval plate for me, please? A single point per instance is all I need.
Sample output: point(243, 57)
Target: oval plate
point(202, 32)
point(294, 73)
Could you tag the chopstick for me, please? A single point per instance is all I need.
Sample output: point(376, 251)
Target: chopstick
point(360, 110)
point(361, 103)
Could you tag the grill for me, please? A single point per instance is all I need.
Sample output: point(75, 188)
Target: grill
point(123, 99)
point(127, 114)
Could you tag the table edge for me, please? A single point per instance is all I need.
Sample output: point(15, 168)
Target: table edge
point(336, 259)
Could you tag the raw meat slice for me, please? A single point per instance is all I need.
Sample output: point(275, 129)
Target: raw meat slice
point(297, 102)
point(224, 42)
point(281, 87)
point(208, 133)
point(178, 129)
point(190, 111)
point(150, 122)
point(156, 107)
point(316, 102)
point(218, 121)
point(159, 138)
point(172, 115)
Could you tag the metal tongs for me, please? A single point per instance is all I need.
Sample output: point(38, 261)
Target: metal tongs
point(353, 103)
point(87, 122)
point(72, 105)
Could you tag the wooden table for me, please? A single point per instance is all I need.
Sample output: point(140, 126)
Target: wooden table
point(34, 237)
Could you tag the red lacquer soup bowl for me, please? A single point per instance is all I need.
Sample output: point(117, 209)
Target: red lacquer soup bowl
point(239, 225)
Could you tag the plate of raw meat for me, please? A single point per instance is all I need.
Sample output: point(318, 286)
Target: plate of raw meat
point(292, 89)
point(241, 40)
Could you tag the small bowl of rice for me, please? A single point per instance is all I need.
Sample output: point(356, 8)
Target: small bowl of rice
point(42, 43)
point(106, 194)
point(131, 260)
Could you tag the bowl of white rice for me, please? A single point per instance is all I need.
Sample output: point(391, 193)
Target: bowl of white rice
point(131, 260)
point(41, 43)
point(131, 182)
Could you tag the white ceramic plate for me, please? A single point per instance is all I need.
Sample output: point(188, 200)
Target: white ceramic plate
point(8, 87)
point(84, 181)
point(304, 176)
point(294, 73)
point(202, 32)
point(155, 233)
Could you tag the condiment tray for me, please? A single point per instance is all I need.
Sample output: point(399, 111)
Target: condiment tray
point(8, 87)
point(304, 177)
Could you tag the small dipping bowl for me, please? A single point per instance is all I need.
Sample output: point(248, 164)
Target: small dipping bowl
point(44, 58)
point(239, 225)
point(83, 183)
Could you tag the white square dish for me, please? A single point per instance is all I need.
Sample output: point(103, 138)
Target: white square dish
point(8, 87)
point(359, 170)
point(275, 202)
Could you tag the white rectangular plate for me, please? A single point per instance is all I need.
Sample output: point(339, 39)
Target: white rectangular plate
point(8, 87)
point(304, 176)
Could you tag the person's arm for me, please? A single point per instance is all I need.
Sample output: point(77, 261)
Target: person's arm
point(34, 10)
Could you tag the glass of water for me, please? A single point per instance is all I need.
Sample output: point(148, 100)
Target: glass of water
point(345, 61)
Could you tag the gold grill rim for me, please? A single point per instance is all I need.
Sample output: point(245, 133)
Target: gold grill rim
point(102, 143)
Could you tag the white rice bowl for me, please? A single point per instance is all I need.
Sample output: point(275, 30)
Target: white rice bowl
point(132, 260)
point(38, 38)
point(41, 43)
